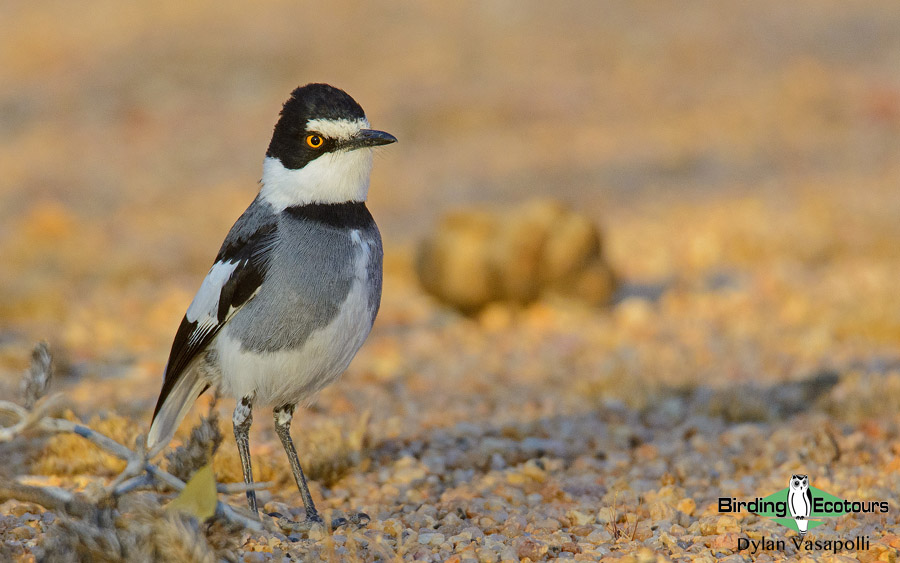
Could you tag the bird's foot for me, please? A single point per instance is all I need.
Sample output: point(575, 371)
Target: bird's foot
point(306, 525)
point(356, 520)
point(314, 521)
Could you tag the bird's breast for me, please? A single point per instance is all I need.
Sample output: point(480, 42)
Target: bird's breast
point(312, 314)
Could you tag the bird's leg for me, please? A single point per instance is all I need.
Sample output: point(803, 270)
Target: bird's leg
point(243, 417)
point(283, 416)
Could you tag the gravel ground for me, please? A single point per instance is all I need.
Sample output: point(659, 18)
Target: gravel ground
point(740, 161)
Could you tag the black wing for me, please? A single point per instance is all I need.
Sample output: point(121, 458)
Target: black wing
point(233, 280)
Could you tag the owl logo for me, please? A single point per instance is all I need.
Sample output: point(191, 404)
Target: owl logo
point(800, 501)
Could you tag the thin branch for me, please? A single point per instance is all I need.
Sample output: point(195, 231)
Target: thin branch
point(28, 418)
point(37, 419)
point(235, 488)
point(135, 483)
point(138, 472)
point(148, 481)
point(49, 497)
point(117, 449)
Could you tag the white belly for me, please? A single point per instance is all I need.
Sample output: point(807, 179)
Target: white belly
point(799, 504)
point(291, 376)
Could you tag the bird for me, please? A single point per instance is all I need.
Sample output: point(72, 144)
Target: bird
point(800, 502)
point(295, 287)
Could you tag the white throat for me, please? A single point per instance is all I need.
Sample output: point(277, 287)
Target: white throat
point(335, 177)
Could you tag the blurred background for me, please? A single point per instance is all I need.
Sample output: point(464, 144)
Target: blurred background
point(741, 160)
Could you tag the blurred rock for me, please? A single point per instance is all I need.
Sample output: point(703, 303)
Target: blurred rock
point(536, 249)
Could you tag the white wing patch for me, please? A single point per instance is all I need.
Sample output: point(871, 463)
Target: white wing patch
point(204, 309)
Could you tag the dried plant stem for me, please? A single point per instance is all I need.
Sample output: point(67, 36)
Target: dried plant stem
point(38, 417)
point(49, 497)
point(38, 414)
point(133, 484)
point(129, 480)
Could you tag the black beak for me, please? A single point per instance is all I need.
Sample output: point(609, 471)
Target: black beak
point(369, 138)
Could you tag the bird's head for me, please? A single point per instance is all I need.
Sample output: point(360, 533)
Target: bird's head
point(321, 149)
point(799, 481)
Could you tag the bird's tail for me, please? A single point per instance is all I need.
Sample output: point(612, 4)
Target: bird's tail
point(802, 525)
point(173, 409)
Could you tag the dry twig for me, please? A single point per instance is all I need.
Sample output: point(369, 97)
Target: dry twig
point(137, 474)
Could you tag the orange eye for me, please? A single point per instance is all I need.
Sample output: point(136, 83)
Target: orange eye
point(315, 141)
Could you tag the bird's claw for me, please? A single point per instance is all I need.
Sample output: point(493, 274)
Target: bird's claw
point(338, 522)
point(288, 526)
point(358, 520)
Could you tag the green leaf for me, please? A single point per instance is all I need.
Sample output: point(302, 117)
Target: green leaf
point(199, 497)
